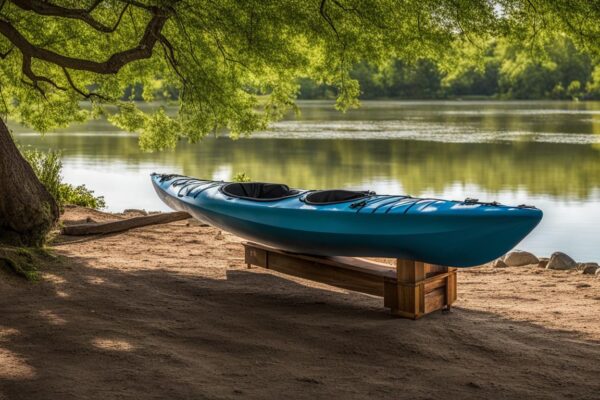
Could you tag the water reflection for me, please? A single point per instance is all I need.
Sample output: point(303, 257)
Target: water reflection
point(558, 170)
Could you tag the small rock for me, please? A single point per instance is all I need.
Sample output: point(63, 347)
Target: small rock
point(219, 236)
point(588, 268)
point(598, 272)
point(519, 258)
point(135, 211)
point(499, 264)
point(90, 220)
point(561, 261)
point(543, 262)
point(195, 222)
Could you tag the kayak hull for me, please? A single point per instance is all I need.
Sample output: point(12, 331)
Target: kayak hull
point(435, 231)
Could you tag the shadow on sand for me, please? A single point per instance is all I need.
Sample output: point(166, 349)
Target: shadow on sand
point(100, 333)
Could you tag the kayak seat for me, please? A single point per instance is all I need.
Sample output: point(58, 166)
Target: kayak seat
point(259, 191)
point(334, 196)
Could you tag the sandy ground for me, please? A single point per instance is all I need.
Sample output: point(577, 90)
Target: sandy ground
point(171, 312)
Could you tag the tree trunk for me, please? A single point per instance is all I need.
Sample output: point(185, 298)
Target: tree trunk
point(27, 210)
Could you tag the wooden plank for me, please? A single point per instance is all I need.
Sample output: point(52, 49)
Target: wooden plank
point(432, 270)
point(436, 283)
point(349, 263)
point(256, 256)
point(435, 300)
point(339, 276)
point(452, 286)
point(363, 265)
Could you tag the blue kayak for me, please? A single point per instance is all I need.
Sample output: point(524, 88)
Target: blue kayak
point(352, 223)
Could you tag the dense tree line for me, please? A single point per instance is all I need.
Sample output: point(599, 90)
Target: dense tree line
point(497, 69)
point(500, 69)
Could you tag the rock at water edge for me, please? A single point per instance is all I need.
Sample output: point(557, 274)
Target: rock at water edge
point(588, 268)
point(519, 258)
point(561, 261)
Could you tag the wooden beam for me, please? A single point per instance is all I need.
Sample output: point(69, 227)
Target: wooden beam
point(349, 273)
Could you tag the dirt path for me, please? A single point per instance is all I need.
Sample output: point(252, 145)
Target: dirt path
point(171, 312)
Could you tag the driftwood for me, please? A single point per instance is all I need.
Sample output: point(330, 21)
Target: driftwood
point(124, 225)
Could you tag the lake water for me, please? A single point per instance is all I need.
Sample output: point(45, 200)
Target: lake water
point(541, 153)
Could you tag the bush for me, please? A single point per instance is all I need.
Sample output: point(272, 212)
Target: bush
point(48, 167)
point(80, 196)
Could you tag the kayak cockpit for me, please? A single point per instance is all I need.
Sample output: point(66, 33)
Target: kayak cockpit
point(258, 191)
point(322, 197)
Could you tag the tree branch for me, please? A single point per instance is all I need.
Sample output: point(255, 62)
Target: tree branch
point(82, 14)
point(94, 5)
point(137, 4)
point(327, 18)
point(35, 79)
point(111, 66)
point(4, 55)
point(170, 56)
point(81, 92)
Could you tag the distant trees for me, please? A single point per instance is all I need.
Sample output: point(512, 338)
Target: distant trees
point(503, 70)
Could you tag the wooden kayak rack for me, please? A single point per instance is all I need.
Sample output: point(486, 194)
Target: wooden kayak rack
point(411, 290)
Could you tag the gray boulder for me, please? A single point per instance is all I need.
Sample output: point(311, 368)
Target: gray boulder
point(519, 258)
point(588, 268)
point(561, 261)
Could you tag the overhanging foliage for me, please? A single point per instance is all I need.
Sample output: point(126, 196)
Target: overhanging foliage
point(235, 63)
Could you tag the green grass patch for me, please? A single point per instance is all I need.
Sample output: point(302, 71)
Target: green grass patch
point(23, 262)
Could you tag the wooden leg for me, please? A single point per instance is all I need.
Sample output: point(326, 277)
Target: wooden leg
point(410, 289)
point(420, 288)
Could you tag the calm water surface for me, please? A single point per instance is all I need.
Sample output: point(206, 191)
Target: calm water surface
point(541, 153)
